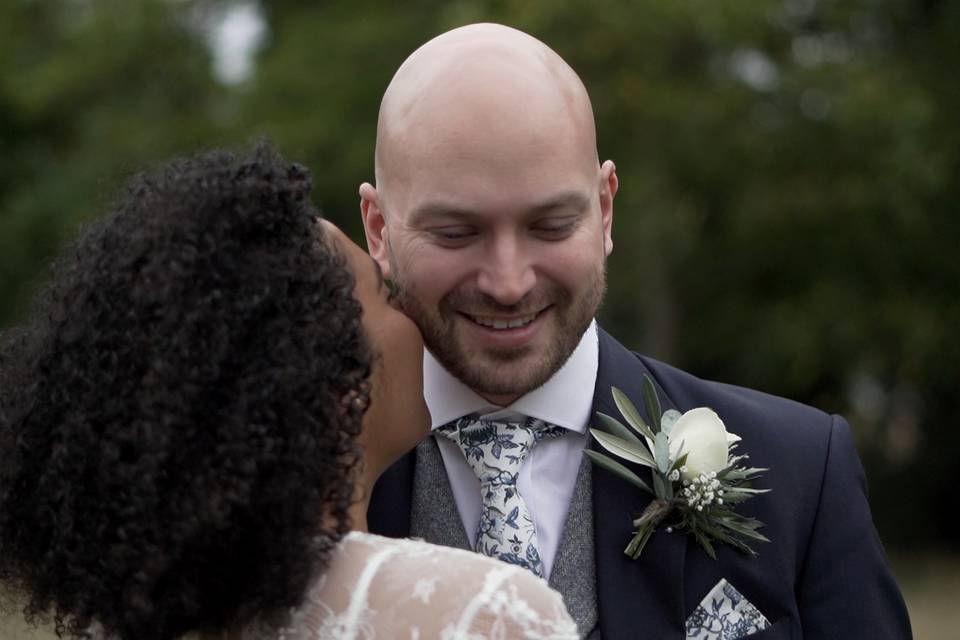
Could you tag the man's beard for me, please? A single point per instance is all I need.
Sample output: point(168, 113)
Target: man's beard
point(504, 372)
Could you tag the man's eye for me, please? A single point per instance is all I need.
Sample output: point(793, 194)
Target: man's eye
point(555, 229)
point(453, 234)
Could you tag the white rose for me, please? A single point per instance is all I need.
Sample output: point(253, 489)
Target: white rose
point(701, 434)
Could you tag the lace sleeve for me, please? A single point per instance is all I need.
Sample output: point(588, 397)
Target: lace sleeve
point(378, 588)
point(514, 603)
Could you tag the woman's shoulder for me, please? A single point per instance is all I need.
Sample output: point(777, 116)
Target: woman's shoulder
point(474, 591)
point(376, 587)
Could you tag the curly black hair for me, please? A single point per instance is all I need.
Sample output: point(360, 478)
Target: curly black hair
point(178, 415)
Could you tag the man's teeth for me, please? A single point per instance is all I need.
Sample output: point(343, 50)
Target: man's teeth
point(493, 323)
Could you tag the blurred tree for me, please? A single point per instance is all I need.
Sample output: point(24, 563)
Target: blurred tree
point(89, 91)
point(790, 173)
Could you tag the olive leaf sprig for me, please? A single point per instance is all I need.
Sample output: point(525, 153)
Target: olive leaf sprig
point(700, 496)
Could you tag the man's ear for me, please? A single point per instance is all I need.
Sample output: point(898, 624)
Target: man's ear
point(375, 227)
point(609, 183)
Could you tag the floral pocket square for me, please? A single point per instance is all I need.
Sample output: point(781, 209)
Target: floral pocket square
point(724, 614)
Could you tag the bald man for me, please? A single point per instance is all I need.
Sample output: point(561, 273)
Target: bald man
point(492, 215)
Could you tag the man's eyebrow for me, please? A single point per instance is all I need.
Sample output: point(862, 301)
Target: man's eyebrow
point(570, 200)
point(439, 209)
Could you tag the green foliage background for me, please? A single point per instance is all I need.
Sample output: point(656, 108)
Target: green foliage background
point(790, 175)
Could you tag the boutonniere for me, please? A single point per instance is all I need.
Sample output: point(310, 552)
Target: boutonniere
point(697, 479)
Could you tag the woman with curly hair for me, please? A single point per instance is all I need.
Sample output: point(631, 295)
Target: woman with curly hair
point(193, 415)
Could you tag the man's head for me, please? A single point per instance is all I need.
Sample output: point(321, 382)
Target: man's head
point(491, 212)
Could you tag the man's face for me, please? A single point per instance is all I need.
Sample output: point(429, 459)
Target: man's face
point(498, 253)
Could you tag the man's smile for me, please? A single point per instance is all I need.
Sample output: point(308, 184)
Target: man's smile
point(503, 323)
point(505, 331)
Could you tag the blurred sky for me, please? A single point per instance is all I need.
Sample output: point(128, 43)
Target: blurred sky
point(234, 37)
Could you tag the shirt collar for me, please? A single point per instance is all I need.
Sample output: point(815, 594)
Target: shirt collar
point(564, 400)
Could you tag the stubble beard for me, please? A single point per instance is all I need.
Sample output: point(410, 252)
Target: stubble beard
point(499, 372)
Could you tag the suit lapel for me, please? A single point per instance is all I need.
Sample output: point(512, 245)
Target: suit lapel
point(391, 499)
point(633, 595)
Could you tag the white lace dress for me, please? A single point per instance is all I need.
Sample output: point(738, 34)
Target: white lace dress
point(381, 588)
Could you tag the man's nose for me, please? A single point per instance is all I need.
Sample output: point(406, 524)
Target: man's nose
point(507, 274)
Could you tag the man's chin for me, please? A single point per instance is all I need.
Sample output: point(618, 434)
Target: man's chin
point(498, 373)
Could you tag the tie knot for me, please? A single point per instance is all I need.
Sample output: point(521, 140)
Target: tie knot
point(495, 449)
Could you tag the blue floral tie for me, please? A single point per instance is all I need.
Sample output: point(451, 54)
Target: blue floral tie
point(495, 451)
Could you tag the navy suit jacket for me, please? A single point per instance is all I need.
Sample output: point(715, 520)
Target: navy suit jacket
point(824, 573)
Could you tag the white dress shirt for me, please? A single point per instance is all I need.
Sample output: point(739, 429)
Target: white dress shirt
point(549, 473)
